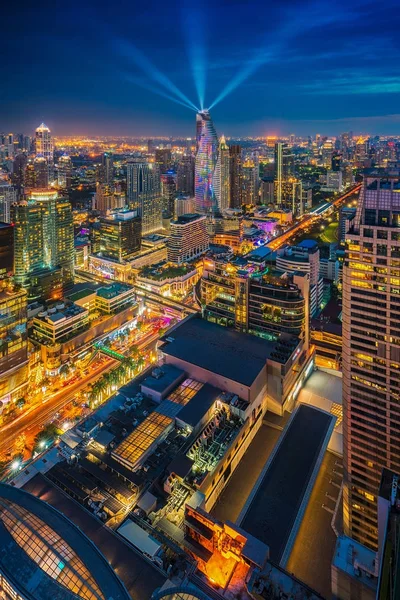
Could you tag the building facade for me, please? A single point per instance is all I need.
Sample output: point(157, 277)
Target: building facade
point(119, 235)
point(205, 164)
point(44, 143)
point(144, 193)
point(236, 174)
point(371, 352)
point(188, 238)
point(44, 238)
point(222, 177)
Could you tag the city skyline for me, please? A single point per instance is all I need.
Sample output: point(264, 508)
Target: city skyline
point(105, 80)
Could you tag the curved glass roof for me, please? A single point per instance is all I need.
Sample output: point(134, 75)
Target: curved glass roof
point(48, 550)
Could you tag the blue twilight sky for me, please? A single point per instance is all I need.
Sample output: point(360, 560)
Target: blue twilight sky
point(274, 66)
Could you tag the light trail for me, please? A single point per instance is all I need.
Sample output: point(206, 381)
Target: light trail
point(136, 56)
point(310, 218)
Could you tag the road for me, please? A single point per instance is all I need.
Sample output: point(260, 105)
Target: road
point(311, 218)
point(30, 422)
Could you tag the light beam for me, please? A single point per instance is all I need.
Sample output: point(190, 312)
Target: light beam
point(193, 26)
point(155, 90)
point(128, 50)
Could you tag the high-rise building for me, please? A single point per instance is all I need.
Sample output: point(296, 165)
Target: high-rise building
point(185, 175)
point(284, 175)
point(267, 190)
point(184, 205)
point(236, 174)
point(18, 175)
point(44, 143)
point(44, 239)
point(304, 258)
point(144, 193)
point(64, 170)
point(6, 250)
point(30, 176)
point(164, 159)
point(222, 176)
point(8, 196)
point(255, 299)
point(249, 182)
point(188, 238)
point(371, 352)
point(168, 191)
point(107, 198)
point(119, 235)
point(205, 163)
point(41, 168)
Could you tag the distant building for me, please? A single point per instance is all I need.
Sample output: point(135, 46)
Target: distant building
point(184, 205)
point(41, 168)
point(44, 143)
point(188, 238)
point(6, 250)
point(64, 170)
point(168, 191)
point(185, 175)
point(144, 193)
point(249, 183)
point(8, 196)
point(267, 190)
point(346, 214)
point(164, 159)
point(284, 174)
point(222, 176)
point(236, 174)
point(108, 198)
point(334, 181)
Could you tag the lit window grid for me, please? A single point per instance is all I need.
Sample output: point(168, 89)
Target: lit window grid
point(48, 550)
point(140, 440)
point(185, 391)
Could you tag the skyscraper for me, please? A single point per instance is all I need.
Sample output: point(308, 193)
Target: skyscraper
point(221, 176)
point(8, 196)
point(64, 171)
point(185, 175)
point(284, 172)
point(371, 352)
point(249, 183)
point(18, 175)
point(168, 191)
point(205, 163)
point(144, 193)
point(41, 167)
point(119, 235)
point(188, 238)
point(44, 239)
point(236, 174)
point(164, 159)
point(44, 143)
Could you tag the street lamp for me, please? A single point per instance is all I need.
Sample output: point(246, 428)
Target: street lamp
point(15, 465)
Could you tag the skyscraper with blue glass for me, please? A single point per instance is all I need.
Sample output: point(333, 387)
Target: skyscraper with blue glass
point(205, 164)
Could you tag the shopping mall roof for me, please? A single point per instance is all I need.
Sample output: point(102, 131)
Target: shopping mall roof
point(139, 575)
point(135, 446)
point(237, 356)
point(275, 508)
point(199, 405)
point(45, 556)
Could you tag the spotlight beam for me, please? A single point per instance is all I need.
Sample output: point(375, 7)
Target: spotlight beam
point(141, 61)
point(155, 90)
point(193, 25)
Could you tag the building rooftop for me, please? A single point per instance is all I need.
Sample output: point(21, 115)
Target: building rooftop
point(114, 289)
point(162, 378)
point(188, 218)
point(275, 507)
point(46, 556)
point(192, 413)
point(238, 356)
point(133, 447)
point(356, 560)
point(138, 575)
